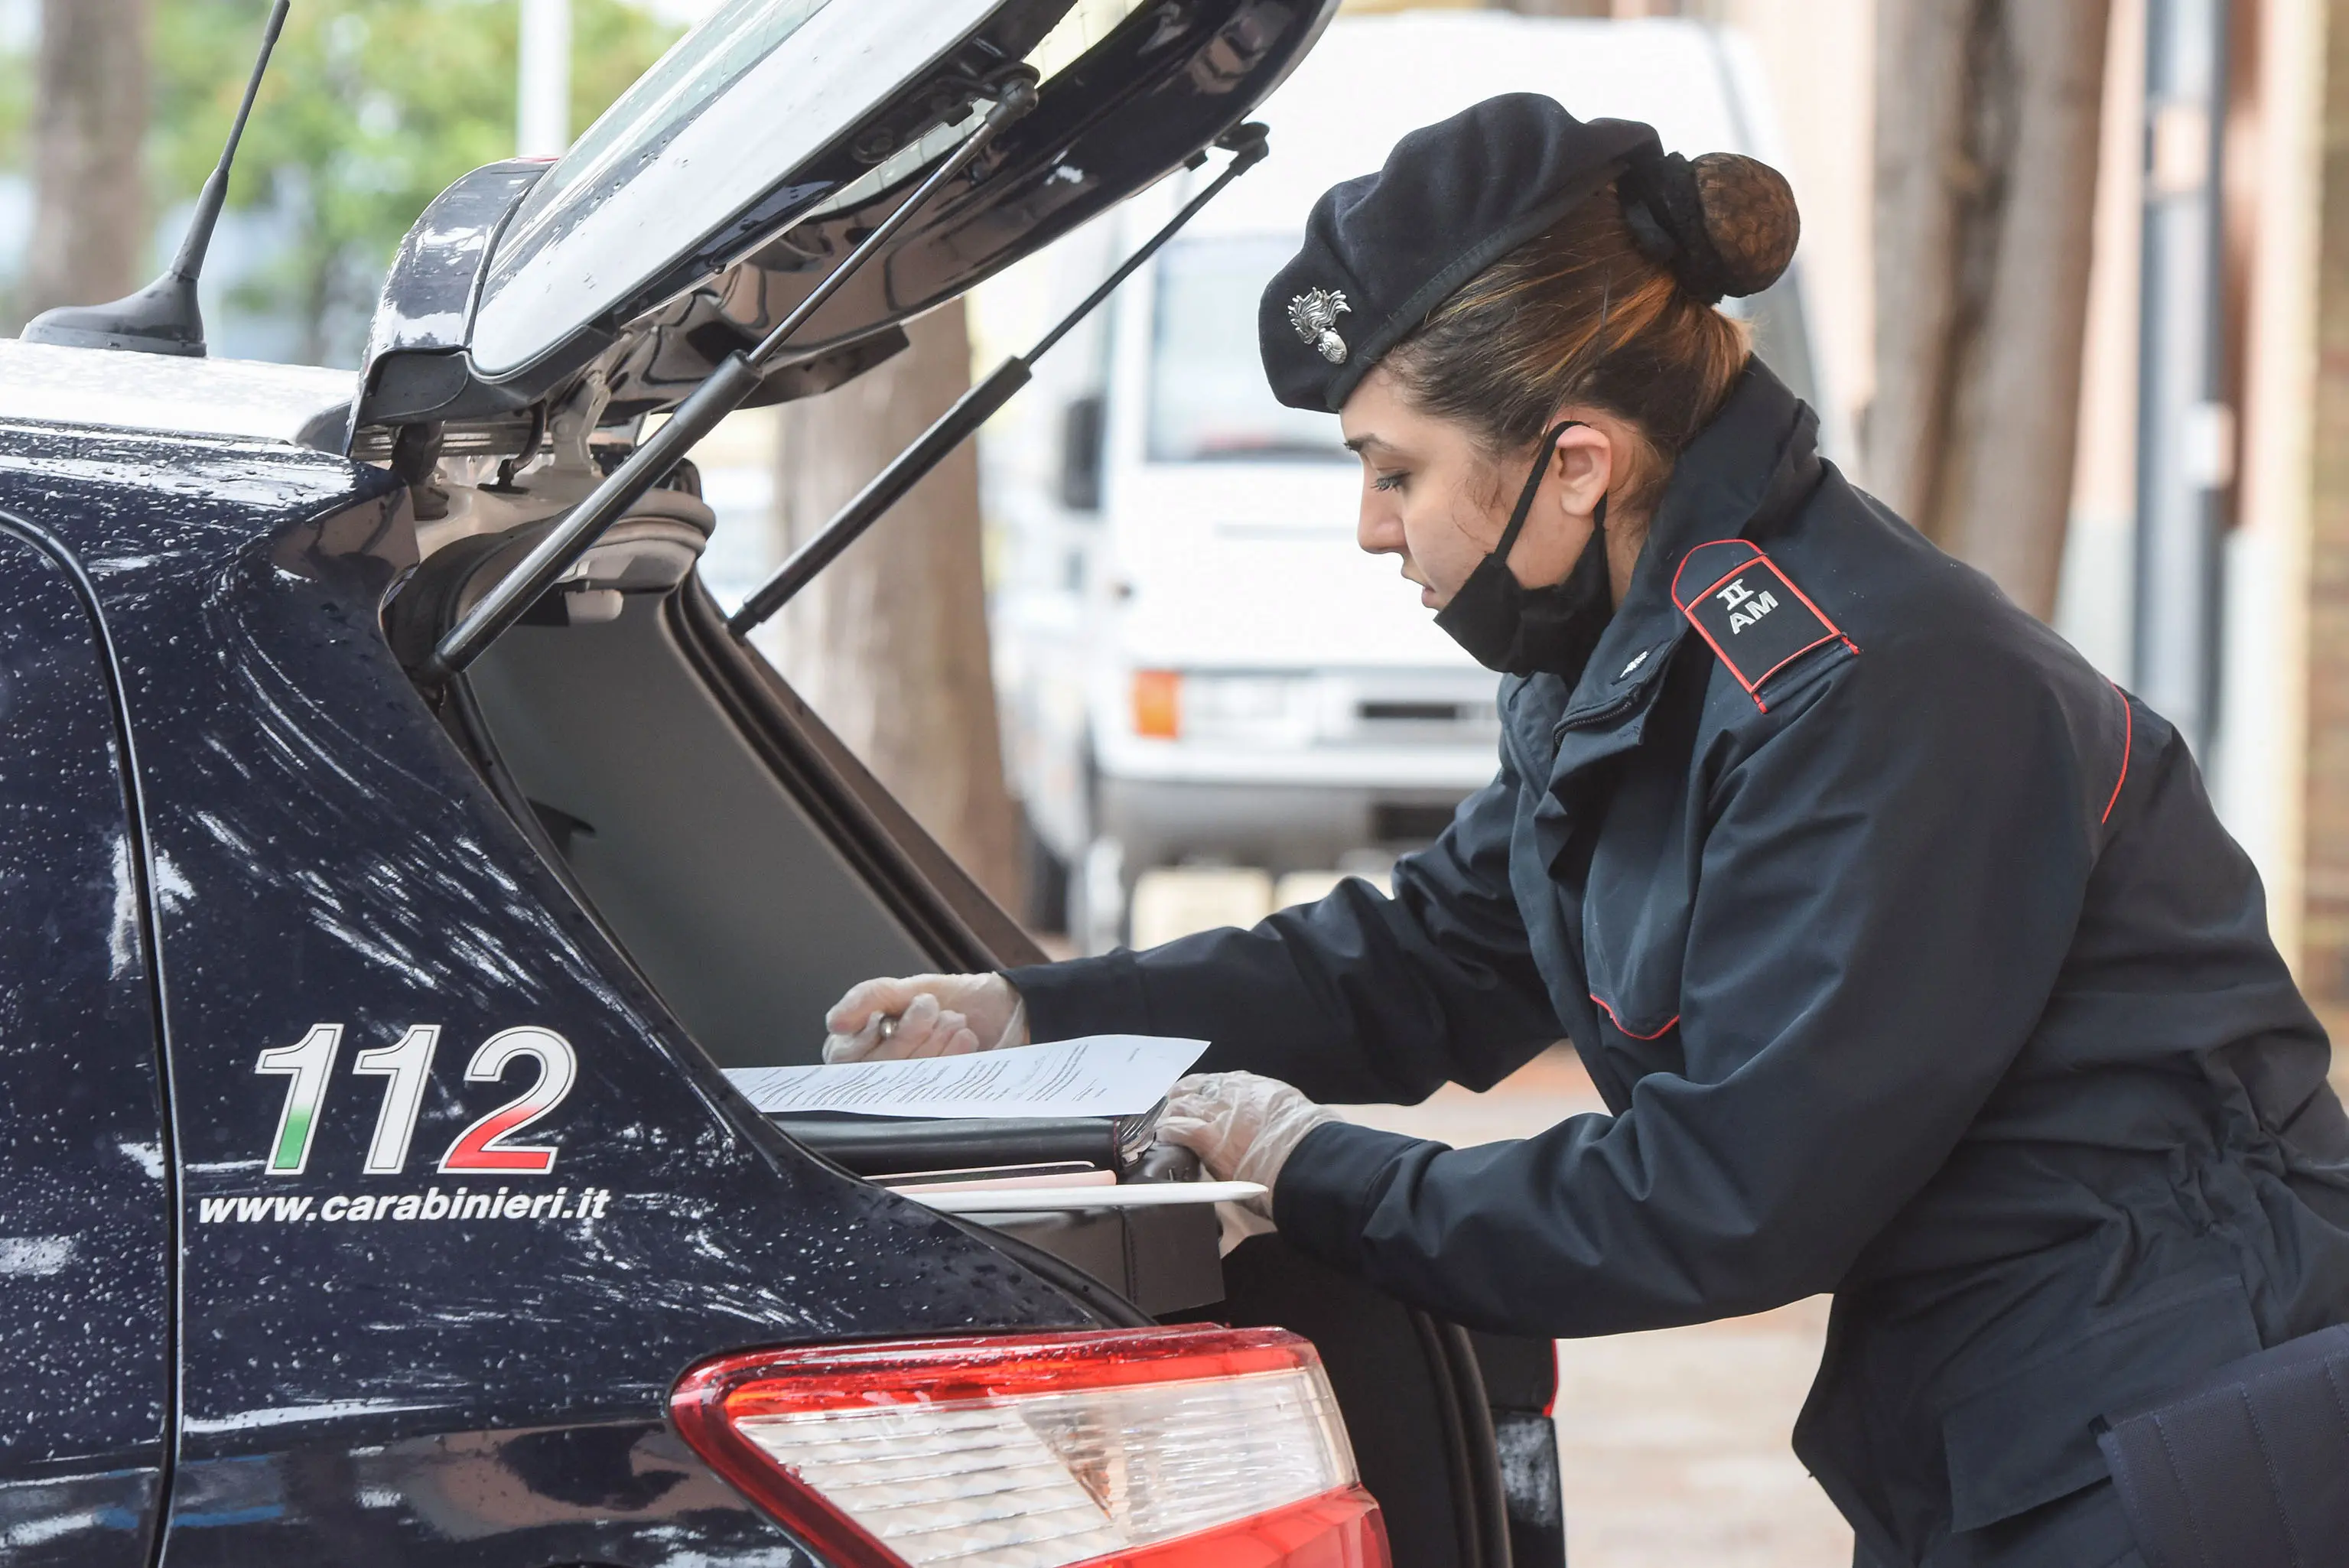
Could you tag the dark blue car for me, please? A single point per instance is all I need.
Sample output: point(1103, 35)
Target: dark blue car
point(370, 1190)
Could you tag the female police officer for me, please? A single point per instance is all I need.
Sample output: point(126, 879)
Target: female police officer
point(1906, 949)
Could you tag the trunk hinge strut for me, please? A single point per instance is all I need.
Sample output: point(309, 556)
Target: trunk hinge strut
point(972, 409)
point(736, 377)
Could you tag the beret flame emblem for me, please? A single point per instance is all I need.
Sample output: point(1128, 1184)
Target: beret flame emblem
point(1314, 314)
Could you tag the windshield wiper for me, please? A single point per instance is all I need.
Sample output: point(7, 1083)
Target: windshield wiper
point(1247, 146)
point(736, 377)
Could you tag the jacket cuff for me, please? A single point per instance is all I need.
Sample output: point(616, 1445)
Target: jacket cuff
point(1081, 996)
point(1322, 1199)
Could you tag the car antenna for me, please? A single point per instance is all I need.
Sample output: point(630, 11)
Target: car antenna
point(1247, 146)
point(164, 317)
point(727, 386)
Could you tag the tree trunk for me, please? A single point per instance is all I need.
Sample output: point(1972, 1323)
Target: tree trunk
point(1986, 147)
point(89, 118)
point(320, 267)
point(890, 644)
point(2324, 965)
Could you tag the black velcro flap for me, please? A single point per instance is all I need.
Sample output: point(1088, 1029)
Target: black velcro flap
point(2248, 1468)
point(1757, 621)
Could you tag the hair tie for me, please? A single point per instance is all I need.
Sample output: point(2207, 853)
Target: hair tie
point(1665, 213)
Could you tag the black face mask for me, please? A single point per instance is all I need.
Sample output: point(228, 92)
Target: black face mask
point(1521, 631)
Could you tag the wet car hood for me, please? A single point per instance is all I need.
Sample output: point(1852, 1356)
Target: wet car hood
point(632, 261)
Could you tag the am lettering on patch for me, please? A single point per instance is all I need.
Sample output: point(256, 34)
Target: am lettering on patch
point(1756, 621)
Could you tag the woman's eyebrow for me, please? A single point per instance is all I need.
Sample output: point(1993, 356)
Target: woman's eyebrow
point(1368, 440)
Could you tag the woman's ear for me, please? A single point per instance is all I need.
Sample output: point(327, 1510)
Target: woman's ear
point(1584, 465)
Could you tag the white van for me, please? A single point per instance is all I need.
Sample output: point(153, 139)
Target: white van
point(1198, 667)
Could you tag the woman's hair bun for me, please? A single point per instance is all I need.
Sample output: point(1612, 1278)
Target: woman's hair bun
point(1750, 217)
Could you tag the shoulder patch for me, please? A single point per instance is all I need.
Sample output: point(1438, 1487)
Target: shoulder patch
point(1751, 613)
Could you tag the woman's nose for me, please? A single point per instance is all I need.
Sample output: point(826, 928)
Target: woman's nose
point(1379, 528)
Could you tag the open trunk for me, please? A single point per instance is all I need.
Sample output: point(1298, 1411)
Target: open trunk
point(751, 870)
point(746, 865)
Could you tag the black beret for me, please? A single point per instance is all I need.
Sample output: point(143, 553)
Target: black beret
point(1384, 251)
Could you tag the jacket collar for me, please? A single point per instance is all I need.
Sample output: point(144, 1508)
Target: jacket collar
point(1743, 474)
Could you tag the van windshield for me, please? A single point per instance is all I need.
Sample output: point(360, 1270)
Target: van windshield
point(1208, 400)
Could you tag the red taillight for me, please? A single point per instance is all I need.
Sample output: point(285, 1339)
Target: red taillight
point(1165, 1447)
point(1342, 1530)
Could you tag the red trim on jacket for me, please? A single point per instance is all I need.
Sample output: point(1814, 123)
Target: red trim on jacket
point(1625, 1028)
point(2128, 740)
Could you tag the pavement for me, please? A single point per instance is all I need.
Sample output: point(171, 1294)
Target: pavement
point(1673, 1445)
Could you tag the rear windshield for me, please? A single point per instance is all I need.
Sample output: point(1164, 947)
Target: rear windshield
point(1208, 400)
point(667, 98)
point(723, 123)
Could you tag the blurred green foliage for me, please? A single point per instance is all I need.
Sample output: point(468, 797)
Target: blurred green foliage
point(370, 108)
point(15, 95)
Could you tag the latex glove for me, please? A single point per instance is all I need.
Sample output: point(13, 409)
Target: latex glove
point(924, 1015)
point(1242, 1127)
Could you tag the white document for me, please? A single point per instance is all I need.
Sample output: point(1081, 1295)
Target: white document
point(1100, 1075)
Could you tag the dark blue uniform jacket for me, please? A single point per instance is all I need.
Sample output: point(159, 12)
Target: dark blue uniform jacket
point(1923, 974)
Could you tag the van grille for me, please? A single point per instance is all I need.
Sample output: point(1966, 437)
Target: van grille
point(1413, 712)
